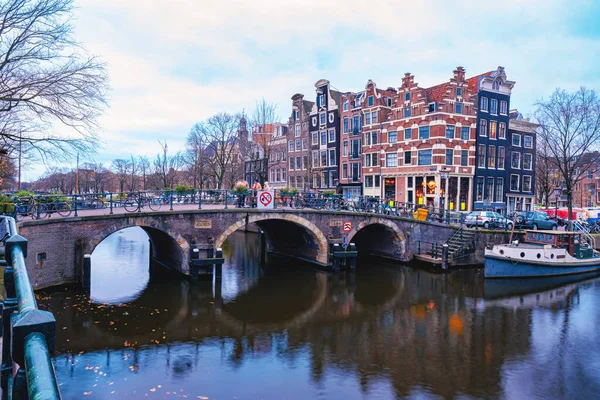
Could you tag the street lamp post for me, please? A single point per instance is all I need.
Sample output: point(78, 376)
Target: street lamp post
point(444, 187)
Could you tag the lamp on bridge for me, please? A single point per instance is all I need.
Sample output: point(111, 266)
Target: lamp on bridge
point(444, 173)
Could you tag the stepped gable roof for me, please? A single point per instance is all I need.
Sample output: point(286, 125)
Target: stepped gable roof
point(436, 93)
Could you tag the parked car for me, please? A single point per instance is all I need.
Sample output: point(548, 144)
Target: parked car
point(487, 220)
point(535, 220)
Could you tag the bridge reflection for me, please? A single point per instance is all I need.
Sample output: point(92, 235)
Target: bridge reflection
point(410, 328)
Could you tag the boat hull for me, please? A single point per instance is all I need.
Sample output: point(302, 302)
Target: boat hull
point(503, 267)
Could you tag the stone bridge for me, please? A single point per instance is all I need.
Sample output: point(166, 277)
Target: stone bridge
point(57, 245)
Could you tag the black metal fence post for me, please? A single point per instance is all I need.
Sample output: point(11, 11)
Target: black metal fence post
point(110, 199)
point(75, 203)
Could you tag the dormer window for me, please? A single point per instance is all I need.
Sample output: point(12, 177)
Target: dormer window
point(459, 92)
point(496, 85)
point(370, 101)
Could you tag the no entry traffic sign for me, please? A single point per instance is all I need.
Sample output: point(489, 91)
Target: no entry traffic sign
point(265, 200)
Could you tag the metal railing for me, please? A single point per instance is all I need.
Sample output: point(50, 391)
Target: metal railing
point(585, 233)
point(48, 205)
point(29, 333)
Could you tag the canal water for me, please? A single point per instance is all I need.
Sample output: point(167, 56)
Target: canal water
point(287, 331)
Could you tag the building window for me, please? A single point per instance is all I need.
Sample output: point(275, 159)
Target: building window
point(464, 158)
point(424, 132)
point(356, 126)
point(516, 140)
point(295, 115)
point(528, 142)
point(493, 106)
point(502, 130)
point(373, 135)
point(291, 146)
point(464, 133)
point(369, 181)
point(345, 105)
point(332, 160)
point(501, 156)
point(527, 183)
point(368, 118)
point(323, 118)
point(407, 112)
point(527, 161)
point(324, 138)
point(407, 134)
point(374, 117)
point(514, 183)
point(392, 137)
point(449, 156)
point(407, 96)
point(499, 189)
point(345, 125)
point(391, 159)
point(331, 117)
point(483, 127)
point(483, 104)
point(315, 138)
point(515, 160)
point(407, 160)
point(491, 156)
point(503, 107)
point(489, 189)
point(459, 91)
point(424, 157)
point(315, 158)
point(298, 163)
point(389, 101)
point(298, 146)
point(305, 144)
point(291, 163)
point(297, 132)
point(332, 136)
point(450, 131)
point(479, 188)
point(305, 162)
point(377, 181)
point(371, 160)
point(481, 156)
point(459, 108)
point(323, 158)
point(345, 148)
point(493, 127)
point(370, 101)
point(345, 171)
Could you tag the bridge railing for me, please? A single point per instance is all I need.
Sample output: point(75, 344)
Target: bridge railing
point(43, 206)
point(29, 333)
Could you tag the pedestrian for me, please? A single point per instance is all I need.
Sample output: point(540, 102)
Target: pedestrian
point(256, 187)
point(266, 186)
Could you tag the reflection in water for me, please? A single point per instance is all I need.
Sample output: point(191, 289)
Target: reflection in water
point(285, 330)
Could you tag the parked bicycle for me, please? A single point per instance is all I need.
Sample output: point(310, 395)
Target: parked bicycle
point(139, 202)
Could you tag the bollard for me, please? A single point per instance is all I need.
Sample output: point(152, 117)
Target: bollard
point(200, 199)
point(226, 200)
point(445, 256)
point(171, 200)
point(195, 256)
point(86, 277)
point(218, 268)
point(110, 199)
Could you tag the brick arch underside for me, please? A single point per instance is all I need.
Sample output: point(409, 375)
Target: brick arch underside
point(380, 237)
point(168, 248)
point(288, 235)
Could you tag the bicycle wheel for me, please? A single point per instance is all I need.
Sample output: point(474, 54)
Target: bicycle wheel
point(130, 205)
point(62, 208)
point(96, 203)
point(155, 204)
point(40, 211)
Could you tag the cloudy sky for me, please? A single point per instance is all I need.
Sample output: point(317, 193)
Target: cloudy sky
point(176, 62)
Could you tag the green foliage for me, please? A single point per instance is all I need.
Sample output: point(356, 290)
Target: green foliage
point(328, 193)
point(24, 193)
point(294, 191)
point(183, 188)
point(240, 189)
point(285, 191)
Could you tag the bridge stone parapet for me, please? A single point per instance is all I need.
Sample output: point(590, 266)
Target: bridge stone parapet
point(57, 245)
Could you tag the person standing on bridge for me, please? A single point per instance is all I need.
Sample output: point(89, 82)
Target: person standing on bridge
point(266, 186)
point(256, 187)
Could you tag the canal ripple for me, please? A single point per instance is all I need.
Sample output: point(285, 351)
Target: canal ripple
point(287, 331)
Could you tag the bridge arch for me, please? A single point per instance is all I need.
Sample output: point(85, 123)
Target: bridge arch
point(370, 238)
point(287, 234)
point(168, 247)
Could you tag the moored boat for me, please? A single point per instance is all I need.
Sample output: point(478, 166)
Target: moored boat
point(542, 254)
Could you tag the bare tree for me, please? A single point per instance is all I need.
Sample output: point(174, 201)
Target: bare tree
point(196, 156)
point(133, 170)
point(121, 168)
point(47, 80)
point(144, 167)
point(220, 134)
point(263, 118)
point(545, 173)
point(166, 166)
point(570, 127)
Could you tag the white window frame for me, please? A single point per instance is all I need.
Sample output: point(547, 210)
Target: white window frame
point(511, 160)
point(530, 179)
point(484, 104)
point(329, 131)
point(329, 158)
point(510, 183)
point(512, 140)
point(530, 156)
point(388, 154)
point(531, 143)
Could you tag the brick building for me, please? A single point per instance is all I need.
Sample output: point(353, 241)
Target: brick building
point(298, 152)
point(351, 138)
point(277, 166)
point(521, 170)
point(427, 145)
